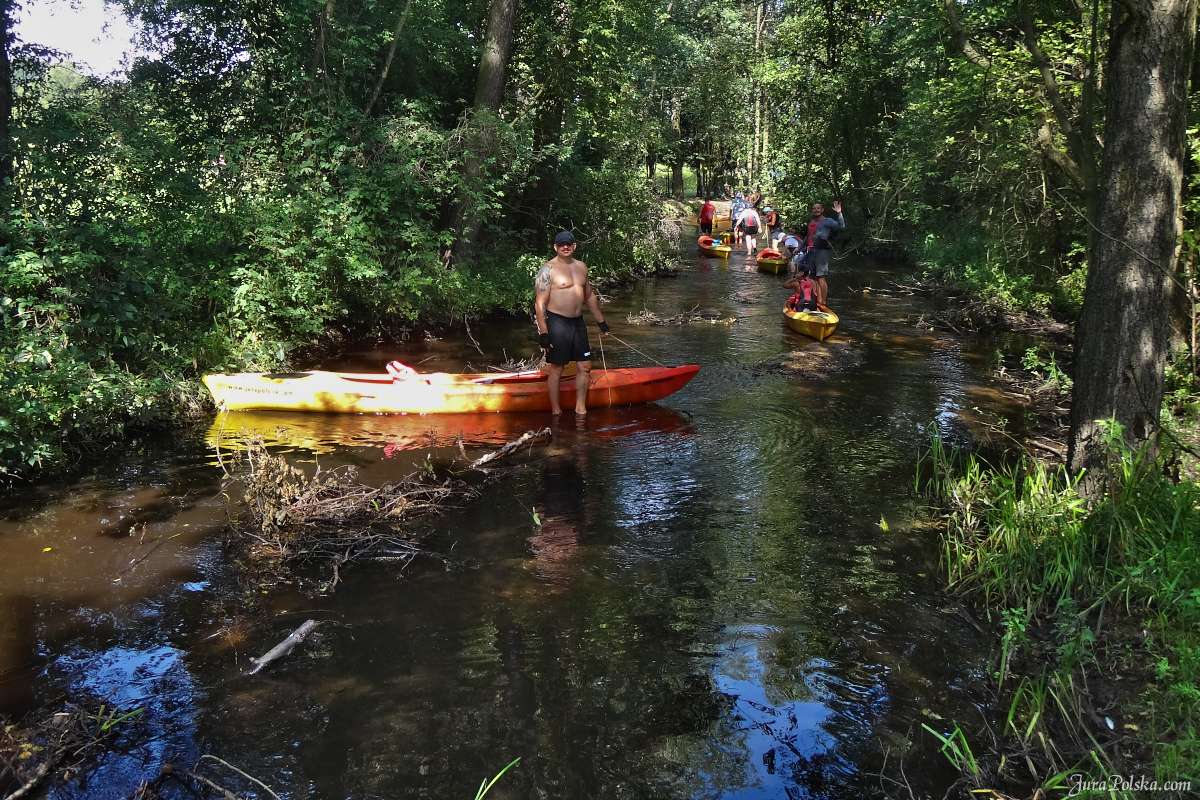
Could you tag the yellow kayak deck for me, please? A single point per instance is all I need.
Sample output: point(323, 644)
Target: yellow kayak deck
point(435, 392)
point(817, 324)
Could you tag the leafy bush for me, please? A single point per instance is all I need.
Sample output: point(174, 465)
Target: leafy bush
point(1023, 538)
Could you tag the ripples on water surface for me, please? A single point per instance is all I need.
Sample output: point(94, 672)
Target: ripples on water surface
point(709, 607)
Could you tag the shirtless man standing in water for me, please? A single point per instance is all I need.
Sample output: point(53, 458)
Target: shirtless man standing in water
point(562, 290)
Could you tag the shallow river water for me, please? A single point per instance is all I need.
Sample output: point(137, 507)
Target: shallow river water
point(727, 595)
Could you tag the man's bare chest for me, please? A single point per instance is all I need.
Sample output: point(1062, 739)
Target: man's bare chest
point(563, 277)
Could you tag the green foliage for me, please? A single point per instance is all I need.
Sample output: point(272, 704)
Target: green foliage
point(231, 200)
point(957, 749)
point(1022, 537)
point(1045, 370)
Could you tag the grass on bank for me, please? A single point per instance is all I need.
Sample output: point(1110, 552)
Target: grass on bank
point(1099, 662)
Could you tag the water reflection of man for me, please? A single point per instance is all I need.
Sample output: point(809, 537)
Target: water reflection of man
point(564, 516)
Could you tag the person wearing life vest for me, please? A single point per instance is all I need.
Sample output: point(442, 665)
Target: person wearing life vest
point(771, 217)
point(817, 245)
point(708, 212)
point(750, 223)
point(805, 298)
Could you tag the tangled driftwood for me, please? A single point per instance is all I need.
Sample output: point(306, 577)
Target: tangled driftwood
point(684, 318)
point(63, 744)
point(331, 518)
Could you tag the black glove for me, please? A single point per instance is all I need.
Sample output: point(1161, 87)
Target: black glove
point(544, 341)
point(603, 326)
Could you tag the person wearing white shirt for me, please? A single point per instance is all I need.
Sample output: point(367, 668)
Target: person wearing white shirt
point(751, 223)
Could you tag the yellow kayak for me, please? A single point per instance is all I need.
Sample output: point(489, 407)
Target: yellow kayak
point(708, 245)
point(771, 261)
point(817, 324)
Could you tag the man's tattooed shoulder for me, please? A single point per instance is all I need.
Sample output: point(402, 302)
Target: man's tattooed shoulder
point(542, 281)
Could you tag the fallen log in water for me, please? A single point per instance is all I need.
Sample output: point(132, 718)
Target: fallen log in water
point(528, 436)
point(283, 648)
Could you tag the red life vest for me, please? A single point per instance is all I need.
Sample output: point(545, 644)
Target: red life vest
point(806, 289)
point(707, 212)
point(812, 228)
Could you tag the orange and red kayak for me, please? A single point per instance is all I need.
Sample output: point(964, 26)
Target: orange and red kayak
point(436, 392)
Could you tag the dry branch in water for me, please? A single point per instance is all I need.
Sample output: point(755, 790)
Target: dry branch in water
point(528, 436)
point(684, 318)
point(282, 498)
point(283, 648)
point(518, 364)
point(69, 741)
point(331, 517)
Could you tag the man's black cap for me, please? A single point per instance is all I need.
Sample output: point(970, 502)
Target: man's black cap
point(564, 237)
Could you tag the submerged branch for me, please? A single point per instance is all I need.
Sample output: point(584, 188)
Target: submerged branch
point(528, 436)
point(283, 648)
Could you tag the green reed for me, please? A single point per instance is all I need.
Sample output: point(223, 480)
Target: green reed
point(1020, 537)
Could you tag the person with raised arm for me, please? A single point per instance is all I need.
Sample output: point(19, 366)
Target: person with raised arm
point(817, 245)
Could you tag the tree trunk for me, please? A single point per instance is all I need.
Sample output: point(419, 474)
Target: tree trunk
point(489, 95)
point(766, 142)
point(7, 170)
point(387, 64)
point(677, 188)
point(489, 89)
point(538, 200)
point(755, 157)
point(1122, 334)
point(319, 66)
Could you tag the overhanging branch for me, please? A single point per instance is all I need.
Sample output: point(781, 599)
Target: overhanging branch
point(959, 37)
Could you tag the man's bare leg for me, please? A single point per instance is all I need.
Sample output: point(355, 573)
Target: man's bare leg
point(822, 290)
point(555, 377)
point(582, 380)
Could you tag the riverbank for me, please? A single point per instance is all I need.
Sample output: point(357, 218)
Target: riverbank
point(1097, 665)
point(79, 381)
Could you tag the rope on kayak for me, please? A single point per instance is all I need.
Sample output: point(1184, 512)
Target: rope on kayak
point(634, 349)
point(604, 363)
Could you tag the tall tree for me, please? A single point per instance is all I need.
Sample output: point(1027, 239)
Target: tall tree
point(1123, 332)
point(8, 9)
point(489, 95)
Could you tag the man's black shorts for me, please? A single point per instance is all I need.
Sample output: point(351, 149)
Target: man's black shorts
point(570, 339)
